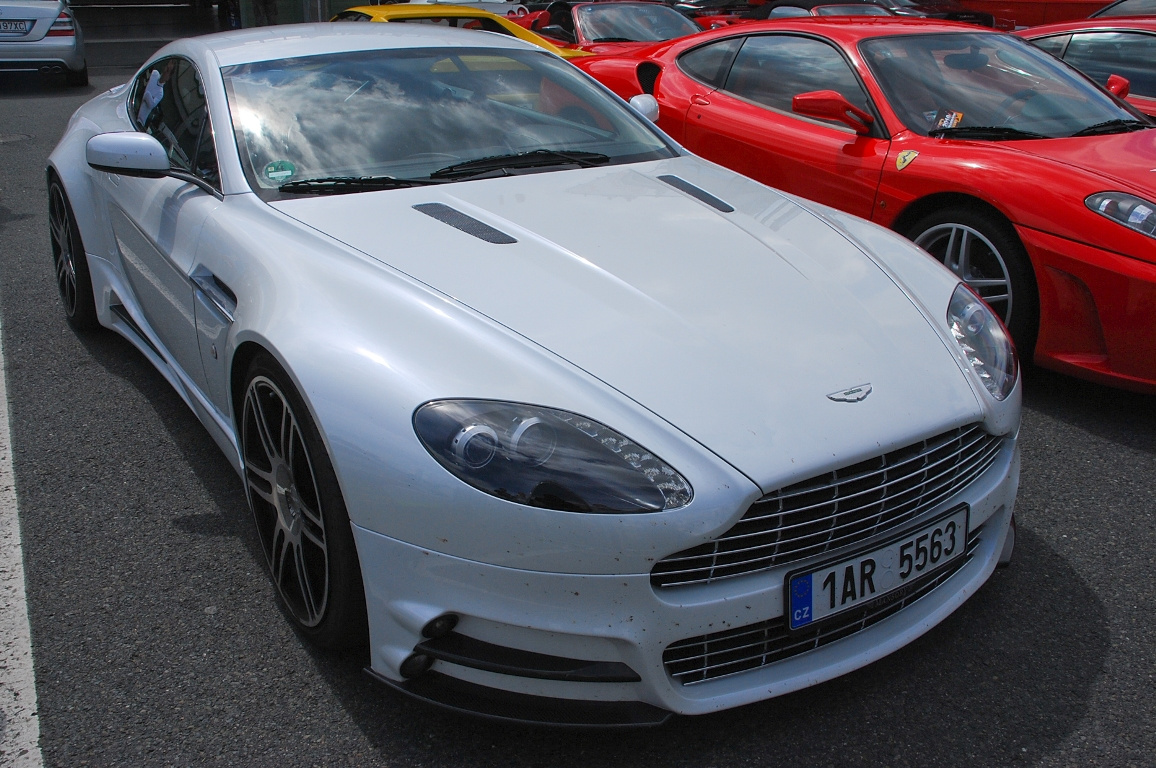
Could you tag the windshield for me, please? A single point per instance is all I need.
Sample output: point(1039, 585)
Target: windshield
point(633, 22)
point(410, 113)
point(958, 82)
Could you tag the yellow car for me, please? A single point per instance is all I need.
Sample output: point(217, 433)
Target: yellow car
point(452, 16)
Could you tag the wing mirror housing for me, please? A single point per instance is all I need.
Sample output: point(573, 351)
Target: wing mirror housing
point(832, 105)
point(1119, 86)
point(128, 153)
point(645, 105)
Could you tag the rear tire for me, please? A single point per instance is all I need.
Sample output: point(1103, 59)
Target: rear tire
point(77, 78)
point(73, 280)
point(984, 251)
point(302, 523)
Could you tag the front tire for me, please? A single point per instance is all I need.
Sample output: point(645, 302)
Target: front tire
point(73, 280)
point(302, 523)
point(984, 251)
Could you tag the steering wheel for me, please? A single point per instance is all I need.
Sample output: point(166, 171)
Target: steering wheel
point(1022, 95)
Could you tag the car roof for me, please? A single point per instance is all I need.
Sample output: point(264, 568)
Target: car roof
point(1106, 24)
point(423, 11)
point(293, 40)
point(849, 29)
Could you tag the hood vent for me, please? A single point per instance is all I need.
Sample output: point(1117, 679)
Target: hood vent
point(698, 194)
point(467, 224)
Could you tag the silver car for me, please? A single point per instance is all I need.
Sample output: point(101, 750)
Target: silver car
point(42, 36)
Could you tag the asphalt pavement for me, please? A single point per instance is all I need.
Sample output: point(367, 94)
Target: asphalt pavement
point(156, 640)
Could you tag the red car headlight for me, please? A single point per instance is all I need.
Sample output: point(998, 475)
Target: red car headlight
point(1131, 211)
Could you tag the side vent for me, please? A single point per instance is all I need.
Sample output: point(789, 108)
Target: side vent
point(467, 224)
point(648, 73)
point(699, 194)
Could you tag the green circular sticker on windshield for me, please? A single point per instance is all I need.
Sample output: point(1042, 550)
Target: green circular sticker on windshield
point(280, 170)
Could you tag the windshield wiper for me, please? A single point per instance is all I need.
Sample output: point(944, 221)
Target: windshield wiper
point(992, 132)
point(342, 185)
point(1113, 126)
point(614, 40)
point(538, 158)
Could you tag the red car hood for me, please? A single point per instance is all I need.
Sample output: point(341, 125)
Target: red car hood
point(1125, 162)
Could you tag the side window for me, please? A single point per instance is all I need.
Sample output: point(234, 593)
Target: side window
point(168, 103)
point(772, 69)
point(709, 63)
point(351, 16)
point(1128, 54)
point(1053, 45)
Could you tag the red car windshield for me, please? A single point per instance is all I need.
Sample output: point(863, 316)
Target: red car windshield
point(989, 86)
point(633, 22)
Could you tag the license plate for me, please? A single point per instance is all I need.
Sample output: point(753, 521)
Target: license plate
point(15, 26)
point(819, 593)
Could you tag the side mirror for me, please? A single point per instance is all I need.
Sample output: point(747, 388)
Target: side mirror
point(1119, 86)
point(128, 153)
point(645, 105)
point(832, 105)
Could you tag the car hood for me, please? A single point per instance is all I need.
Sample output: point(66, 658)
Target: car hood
point(733, 327)
point(1125, 161)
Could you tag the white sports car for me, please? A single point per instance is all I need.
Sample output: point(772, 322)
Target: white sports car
point(565, 424)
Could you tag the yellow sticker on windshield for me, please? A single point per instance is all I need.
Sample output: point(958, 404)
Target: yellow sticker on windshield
point(905, 157)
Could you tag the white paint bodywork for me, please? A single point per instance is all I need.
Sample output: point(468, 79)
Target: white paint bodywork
point(710, 338)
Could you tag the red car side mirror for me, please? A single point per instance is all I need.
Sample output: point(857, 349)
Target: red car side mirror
point(832, 105)
point(1118, 86)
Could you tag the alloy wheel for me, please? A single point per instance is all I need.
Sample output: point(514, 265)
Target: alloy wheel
point(286, 501)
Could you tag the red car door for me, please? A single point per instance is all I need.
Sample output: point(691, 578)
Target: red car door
point(747, 124)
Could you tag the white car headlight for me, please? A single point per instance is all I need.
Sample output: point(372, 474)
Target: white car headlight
point(984, 341)
point(547, 458)
point(1131, 211)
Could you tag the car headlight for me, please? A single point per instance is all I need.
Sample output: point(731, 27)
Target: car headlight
point(984, 341)
point(1131, 211)
point(547, 458)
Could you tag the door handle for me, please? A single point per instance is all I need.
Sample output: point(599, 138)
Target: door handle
point(700, 100)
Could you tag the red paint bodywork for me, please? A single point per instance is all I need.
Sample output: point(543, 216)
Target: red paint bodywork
point(1145, 104)
point(1028, 13)
point(1096, 278)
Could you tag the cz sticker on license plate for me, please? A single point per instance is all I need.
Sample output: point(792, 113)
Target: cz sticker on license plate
point(819, 593)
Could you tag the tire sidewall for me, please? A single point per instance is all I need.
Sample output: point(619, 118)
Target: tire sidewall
point(344, 623)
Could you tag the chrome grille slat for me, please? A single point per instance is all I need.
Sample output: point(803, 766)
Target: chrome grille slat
point(766, 561)
point(957, 470)
point(837, 509)
point(733, 651)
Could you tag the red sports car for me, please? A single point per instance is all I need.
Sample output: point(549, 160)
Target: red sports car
point(1104, 47)
point(608, 27)
point(1032, 183)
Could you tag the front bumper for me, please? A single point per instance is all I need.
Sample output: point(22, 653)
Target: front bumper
point(1097, 312)
point(589, 650)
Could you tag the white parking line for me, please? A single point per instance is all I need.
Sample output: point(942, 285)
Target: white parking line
point(19, 727)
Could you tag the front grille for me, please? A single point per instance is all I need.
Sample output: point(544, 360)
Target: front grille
point(838, 509)
point(732, 651)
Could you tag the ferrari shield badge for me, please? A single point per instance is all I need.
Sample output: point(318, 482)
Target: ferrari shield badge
point(852, 395)
point(904, 158)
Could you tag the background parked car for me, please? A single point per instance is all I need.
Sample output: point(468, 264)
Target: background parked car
point(1127, 8)
point(949, 134)
point(606, 27)
point(463, 16)
point(41, 36)
point(1104, 47)
point(924, 9)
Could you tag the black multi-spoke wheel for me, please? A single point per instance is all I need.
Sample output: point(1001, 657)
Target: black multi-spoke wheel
point(302, 523)
point(68, 259)
point(985, 253)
